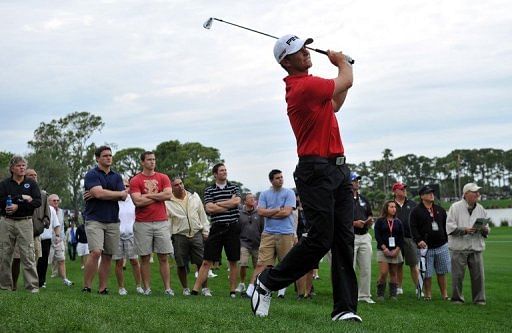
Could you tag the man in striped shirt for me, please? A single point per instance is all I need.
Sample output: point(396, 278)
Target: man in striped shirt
point(221, 203)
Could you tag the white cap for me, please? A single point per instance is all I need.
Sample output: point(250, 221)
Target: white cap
point(470, 187)
point(289, 44)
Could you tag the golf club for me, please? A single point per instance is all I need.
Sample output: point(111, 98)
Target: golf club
point(209, 22)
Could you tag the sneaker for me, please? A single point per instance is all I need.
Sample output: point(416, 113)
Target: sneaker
point(399, 291)
point(86, 290)
point(232, 294)
point(211, 274)
point(240, 288)
point(140, 290)
point(35, 291)
point(67, 282)
point(147, 292)
point(367, 300)
point(281, 293)
point(186, 292)
point(316, 277)
point(103, 292)
point(123, 292)
point(82, 267)
point(347, 316)
point(206, 292)
point(169, 292)
point(44, 285)
point(53, 275)
point(260, 300)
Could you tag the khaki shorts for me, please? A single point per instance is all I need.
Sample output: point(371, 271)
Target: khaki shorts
point(396, 260)
point(274, 246)
point(245, 254)
point(37, 249)
point(152, 237)
point(126, 249)
point(410, 252)
point(57, 252)
point(102, 236)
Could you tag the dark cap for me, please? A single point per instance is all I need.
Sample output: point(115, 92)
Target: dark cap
point(426, 190)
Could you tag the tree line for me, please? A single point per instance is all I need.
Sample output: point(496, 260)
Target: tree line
point(490, 168)
point(62, 151)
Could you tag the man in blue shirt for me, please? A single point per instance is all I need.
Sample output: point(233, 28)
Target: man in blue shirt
point(275, 205)
point(103, 189)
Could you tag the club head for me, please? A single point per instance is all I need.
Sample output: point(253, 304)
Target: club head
point(208, 23)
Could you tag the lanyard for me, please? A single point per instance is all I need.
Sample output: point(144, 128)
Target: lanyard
point(390, 226)
point(431, 212)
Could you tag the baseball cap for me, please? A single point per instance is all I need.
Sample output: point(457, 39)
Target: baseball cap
point(354, 176)
point(426, 190)
point(289, 44)
point(398, 186)
point(470, 187)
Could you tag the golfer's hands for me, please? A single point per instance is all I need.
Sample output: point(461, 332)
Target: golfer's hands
point(422, 245)
point(338, 59)
point(469, 230)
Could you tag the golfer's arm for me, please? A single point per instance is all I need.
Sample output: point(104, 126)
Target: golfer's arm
point(342, 84)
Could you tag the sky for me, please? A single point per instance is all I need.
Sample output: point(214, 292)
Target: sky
point(430, 76)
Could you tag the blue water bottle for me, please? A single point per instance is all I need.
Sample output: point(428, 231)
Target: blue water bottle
point(8, 202)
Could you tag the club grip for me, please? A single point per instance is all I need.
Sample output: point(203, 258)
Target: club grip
point(349, 59)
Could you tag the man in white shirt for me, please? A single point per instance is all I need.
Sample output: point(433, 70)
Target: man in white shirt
point(57, 248)
point(126, 244)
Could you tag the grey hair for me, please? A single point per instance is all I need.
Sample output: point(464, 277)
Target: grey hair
point(15, 160)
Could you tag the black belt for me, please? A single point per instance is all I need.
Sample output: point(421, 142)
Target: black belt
point(337, 160)
point(16, 218)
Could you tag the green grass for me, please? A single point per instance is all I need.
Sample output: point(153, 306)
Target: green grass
point(61, 309)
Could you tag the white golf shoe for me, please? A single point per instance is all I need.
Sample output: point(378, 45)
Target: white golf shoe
point(260, 300)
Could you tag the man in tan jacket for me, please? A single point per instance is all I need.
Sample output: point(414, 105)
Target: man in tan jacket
point(189, 229)
point(466, 244)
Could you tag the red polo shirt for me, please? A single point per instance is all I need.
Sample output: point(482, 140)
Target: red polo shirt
point(312, 115)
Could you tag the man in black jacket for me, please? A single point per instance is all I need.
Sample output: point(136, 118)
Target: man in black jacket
point(428, 227)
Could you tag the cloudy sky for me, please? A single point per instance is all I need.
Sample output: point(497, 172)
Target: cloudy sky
point(430, 76)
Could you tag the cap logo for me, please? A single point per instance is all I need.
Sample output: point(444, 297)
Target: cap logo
point(291, 39)
point(26, 185)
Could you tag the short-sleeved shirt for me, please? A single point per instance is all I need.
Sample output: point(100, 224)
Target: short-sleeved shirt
point(105, 211)
point(214, 193)
point(155, 183)
point(277, 199)
point(311, 115)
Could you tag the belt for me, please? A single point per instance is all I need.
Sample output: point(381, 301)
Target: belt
point(337, 160)
point(16, 218)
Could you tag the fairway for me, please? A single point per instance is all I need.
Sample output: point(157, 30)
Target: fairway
point(61, 309)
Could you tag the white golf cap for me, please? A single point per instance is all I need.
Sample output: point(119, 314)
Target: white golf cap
point(470, 187)
point(289, 44)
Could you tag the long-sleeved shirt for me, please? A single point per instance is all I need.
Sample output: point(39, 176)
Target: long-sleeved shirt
point(11, 187)
point(421, 225)
point(458, 219)
point(251, 227)
point(382, 233)
point(187, 216)
point(403, 213)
